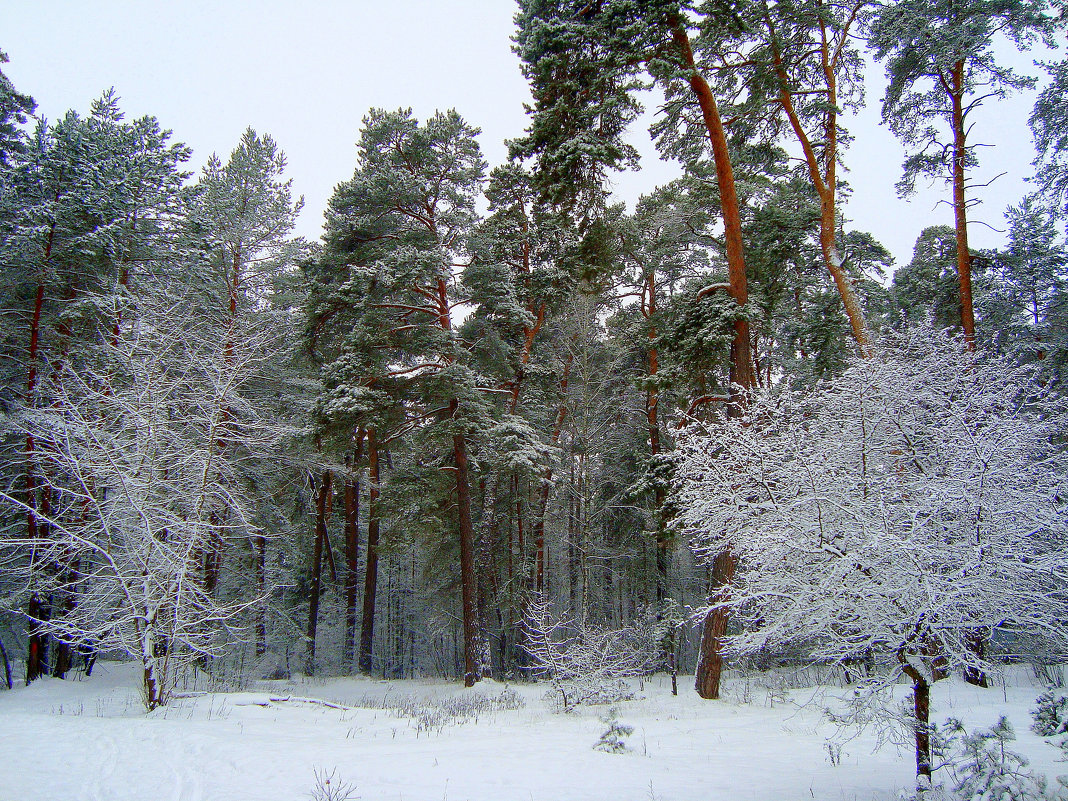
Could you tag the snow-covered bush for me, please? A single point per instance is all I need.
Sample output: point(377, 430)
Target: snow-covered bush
point(1050, 713)
point(588, 664)
point(433, 714)
point(906, 511)
point(613, 740)
point(984, 769)
point(140, 452)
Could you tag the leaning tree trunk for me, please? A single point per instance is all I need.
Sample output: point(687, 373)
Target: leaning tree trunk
point(710, 663)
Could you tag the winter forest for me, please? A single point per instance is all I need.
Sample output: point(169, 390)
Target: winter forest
point(498, 430)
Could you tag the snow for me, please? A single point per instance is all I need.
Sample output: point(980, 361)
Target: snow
point(91, 739)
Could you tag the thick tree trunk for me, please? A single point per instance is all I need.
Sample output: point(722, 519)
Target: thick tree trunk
point(976, 640)
point(317, 569)
point(709, 671)
point(921, 703)
point(472, 639)
point(37, 653)
point(370, 576)
point(710, 664)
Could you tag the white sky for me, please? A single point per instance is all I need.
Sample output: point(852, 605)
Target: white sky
point(306, 73)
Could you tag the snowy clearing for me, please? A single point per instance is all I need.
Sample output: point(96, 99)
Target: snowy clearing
point(91, 739)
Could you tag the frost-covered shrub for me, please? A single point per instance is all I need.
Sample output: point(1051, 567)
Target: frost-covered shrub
point(433, 714)
point(613, 739)
point(1050, 713)
point(588, 664)
point(984, 769)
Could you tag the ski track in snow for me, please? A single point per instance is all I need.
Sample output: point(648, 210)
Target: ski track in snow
point(86, 741)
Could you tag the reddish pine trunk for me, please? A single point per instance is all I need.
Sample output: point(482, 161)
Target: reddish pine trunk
point(710, 661)
point(317, 569)
point(710, 664)
point(960, 208)
point(37, 655)
point(825, 184)
point(370, 579)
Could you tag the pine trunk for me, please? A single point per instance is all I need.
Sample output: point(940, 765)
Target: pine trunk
point(710, 664)
point(960, 207)
point(472, 640)
point(352, 563)
point(259, 545)
point(538, 578)
point(370, 576)
point(317, 569)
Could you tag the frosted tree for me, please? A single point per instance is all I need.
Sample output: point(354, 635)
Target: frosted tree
point(240, 226)
point(87, 202)
point(396, 237)
point(586, 663)
point(918, 500)
point(127, 453)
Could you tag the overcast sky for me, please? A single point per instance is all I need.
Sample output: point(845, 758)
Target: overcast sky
point(307, 72)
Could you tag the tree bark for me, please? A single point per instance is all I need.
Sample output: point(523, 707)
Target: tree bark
point(960, 208)
point(709, 673)
point(259, 544)
point(472, 638)
point(317, 569)
point(710, 664)
point(352, 561)
point(7, 665)
point(825, 182)
point(370, 576)
point(538, 579)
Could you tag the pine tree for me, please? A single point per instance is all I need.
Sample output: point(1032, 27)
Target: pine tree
point(941, 65)
point(396, 231)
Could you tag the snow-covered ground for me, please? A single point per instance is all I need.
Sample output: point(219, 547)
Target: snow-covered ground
point(90, 740)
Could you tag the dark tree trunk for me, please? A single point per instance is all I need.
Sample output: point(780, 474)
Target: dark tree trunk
point(352, 562)
point(976, 640)
point(370, 579)
point(472, 639)
point(37, 656)
point(7, 665)
point(317, 569)
point(259, 545)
